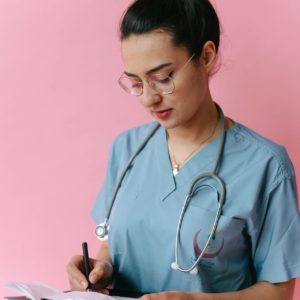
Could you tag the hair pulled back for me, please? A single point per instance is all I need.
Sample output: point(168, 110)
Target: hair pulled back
point(191, 22)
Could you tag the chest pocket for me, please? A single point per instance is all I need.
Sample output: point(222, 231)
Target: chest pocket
point(227, 255)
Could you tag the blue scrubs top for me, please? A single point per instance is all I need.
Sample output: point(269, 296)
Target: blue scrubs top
point(258, 234)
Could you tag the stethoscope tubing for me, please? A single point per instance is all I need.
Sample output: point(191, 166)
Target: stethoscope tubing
point(103, 228)
point(215, 223)
point(221, 198)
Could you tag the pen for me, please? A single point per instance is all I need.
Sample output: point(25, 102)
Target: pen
point(86, 264)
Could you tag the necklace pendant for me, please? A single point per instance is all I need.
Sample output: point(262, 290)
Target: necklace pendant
point(175, 170)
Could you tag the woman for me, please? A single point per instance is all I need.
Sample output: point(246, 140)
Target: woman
point(169, 49)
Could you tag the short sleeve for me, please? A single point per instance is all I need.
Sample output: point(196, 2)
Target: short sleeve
point(120, 152)
point(277, 252)
point(102, 202)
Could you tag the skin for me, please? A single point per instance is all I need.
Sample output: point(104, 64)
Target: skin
point(101, 271)
point(193, 113)
point(191, 119)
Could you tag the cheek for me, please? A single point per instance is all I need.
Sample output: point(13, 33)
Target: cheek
point(192, 92)
point(190, 99)
point(185, 106)
point(194, 86)
point(199, 83)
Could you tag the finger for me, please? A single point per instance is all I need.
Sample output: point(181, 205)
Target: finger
point(77, 279)
point(168, 296)
point(75, 286)
point(148, 297)
point(104, 291)
point(100, 271)
point(101, 275)
point(97, 274)
point(76, 260)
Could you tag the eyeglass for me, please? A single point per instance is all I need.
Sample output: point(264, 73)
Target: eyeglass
point(161, 83)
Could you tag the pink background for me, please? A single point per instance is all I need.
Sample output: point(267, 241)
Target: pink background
point(60, 108)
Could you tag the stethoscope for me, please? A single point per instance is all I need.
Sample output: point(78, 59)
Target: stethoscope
point(102, 229)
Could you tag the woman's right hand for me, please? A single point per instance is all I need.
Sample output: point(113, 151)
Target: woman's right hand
point(100, 276)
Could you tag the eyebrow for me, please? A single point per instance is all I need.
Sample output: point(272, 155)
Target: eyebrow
point(155, 69)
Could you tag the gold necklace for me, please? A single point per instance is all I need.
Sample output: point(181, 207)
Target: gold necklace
point(177, 165)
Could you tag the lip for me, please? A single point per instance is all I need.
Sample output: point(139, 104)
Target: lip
point(162, 114)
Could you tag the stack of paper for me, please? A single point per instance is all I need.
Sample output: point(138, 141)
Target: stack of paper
point(38, 291)
point(34, 290)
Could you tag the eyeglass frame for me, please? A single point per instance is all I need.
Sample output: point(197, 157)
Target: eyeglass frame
point(129, 91)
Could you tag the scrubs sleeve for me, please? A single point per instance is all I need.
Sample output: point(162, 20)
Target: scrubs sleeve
point(277, 251)
point(120, 152)
point(102, 202)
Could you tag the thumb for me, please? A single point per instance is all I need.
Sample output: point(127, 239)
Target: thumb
point(102, 274)
point(98, 272)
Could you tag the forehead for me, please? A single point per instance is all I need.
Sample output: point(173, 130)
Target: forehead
point(145, 51)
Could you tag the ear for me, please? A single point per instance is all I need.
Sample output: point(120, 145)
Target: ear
point(209, 56)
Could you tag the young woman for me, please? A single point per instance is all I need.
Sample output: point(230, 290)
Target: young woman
point(237, 236)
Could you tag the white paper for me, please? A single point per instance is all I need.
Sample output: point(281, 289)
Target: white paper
point(37, 290)
point(34, 290)
point(81, 296)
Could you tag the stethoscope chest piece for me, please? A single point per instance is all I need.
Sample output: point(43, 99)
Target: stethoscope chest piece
point(101, 231)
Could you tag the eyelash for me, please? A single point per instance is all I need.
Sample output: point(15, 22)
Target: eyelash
point(171, 74)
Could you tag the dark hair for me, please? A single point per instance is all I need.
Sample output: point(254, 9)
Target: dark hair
point(191, 22)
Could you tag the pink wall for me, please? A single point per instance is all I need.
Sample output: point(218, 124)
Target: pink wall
point(60, 108)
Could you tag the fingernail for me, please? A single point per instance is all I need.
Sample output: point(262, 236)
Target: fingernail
point(93, 278)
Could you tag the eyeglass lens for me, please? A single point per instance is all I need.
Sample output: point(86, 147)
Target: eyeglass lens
point(160, 83)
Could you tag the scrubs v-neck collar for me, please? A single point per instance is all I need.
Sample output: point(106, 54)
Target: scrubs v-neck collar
point(201, 162)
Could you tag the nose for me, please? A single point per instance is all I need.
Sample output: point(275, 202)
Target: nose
point(150, 97)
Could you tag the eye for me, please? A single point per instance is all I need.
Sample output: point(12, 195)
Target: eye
point(171, 74)
point(132, 81)
point(136, 84)
point(162, 78)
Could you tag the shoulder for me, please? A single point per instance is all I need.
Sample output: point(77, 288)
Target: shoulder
point(131, 138)
point(127, 142)
point(262, 153)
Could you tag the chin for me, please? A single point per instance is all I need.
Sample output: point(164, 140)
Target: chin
point(168, 124)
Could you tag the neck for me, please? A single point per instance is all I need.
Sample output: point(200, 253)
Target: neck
point(197, 129)
point(186, 141)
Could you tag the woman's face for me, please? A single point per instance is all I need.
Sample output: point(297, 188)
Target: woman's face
point(153, 53)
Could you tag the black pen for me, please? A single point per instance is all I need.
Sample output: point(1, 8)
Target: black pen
point(86, 264)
